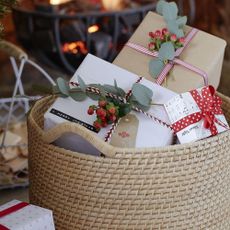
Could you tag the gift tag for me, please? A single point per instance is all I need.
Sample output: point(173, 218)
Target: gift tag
point(126, 132)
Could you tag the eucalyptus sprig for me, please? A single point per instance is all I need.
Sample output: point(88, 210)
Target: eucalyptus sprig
point(170, 42)
point(175, 23)
point(141, 96)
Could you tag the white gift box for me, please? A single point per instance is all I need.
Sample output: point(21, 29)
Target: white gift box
point(95, 70)
point(188, 116)
point(27, 217)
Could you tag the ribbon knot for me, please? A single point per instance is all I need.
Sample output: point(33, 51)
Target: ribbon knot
point(210, 106)
point(208, 119)
point(170, 64)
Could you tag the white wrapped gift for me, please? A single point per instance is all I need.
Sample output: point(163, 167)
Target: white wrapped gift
point(94, 70)
point(196, 115)
point(17, 215)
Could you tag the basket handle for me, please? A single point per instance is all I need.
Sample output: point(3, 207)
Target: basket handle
point(67, 127)
point(12, 50)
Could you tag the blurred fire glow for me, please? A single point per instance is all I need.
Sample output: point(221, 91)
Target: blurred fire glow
point(75, 47)
point(58, 2)
point(93, 29)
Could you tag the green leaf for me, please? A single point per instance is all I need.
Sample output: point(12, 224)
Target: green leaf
point(142, 94)
point(182, 21)
point(93, 96)
point(155, 67)
point(170, 11)
point(167, 51)
point(180, 33)
point(160, 6)
point(63, 86)
point(100, 87)
point(78, 96)
point(120, 91)
point(174, 28)
point(110, 89)
point(102, 90)
point(82, 84)
point(94, 85)
point(144, 108)
point(124, 109)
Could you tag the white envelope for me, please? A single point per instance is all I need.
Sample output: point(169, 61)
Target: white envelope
point(95, 70)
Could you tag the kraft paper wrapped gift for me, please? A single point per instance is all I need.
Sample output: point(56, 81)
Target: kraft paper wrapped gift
point(205, 51)
point(136, 130)
point(17, 215)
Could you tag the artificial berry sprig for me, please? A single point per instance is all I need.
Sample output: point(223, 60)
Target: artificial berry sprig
point(106, 113)
point(157, 38)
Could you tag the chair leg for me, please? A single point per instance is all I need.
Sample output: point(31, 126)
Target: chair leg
point(18, 82)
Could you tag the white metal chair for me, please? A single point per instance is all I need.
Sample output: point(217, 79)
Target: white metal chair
point(14, 109)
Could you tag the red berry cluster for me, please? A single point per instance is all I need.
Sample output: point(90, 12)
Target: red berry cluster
point(107, 113)
point(158, 37)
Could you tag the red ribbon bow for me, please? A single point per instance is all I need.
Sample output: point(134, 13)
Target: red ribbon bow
point(210, 105)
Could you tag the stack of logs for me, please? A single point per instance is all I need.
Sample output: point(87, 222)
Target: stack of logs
point(14, 157)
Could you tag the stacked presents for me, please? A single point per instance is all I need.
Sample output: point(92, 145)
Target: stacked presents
point(160, 91)
point(134, 102)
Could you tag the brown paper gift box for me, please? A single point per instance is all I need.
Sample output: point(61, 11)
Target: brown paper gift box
point(205, 51)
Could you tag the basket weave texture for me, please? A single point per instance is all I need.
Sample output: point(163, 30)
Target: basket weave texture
point(176, 187)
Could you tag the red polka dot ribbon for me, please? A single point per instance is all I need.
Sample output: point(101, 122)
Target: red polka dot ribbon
point(210, 106)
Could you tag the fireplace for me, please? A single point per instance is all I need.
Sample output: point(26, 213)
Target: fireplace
point(62, 32)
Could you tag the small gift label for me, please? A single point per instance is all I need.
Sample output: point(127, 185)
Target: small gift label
point(72, 119)
point(126, 132)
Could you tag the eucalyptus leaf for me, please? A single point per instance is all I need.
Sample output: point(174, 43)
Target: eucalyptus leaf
point(63, 86)
point(82, 84)
point(180, 33)
point(93, 96)
point(124, 109)
point(94, 85)
point(119, 91)
point(174, 29)
point(102, 90)
point(167, 51)
point(100, 87)
point(115, 83)
point(143, 89)
point(155, 67)
point(110, 89)
point(170, 11)
point(160, 6)
point(144, 108)
point(78, 96)
point(142, 94)
point(182, 21)
point(172, 26)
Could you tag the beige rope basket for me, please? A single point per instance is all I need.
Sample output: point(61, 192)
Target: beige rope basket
point(176, 187)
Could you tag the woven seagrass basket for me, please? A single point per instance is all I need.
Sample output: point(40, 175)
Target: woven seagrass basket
point(176, 187)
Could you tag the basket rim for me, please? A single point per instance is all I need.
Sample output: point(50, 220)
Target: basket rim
point(116, 150)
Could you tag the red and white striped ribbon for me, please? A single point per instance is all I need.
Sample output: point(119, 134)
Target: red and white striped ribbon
point(160, 79)
point(129, 93)
point(115, 124)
